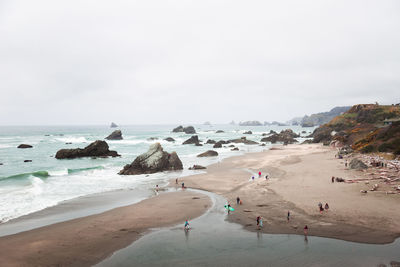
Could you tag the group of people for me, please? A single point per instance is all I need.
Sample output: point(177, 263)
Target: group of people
point(259, 176)
point(321, 207)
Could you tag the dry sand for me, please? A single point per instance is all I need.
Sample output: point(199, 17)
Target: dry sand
point(88, 240)
point(300, 178)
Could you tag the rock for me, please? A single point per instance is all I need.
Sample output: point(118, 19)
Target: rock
point(1, 163)
point(169, 139)
point(210, 141)
point(262, 144)
point(250, 123)
point(303, 132)
point(264, 134)
point(154, 160)
point(116, 135)
point(248, 132)
point(68, 143)
point(235, 149)
point(152, 138)
point(357, 164)
point(24, 146)
point(286, 136)
point(231, 146)
point(219, 131)
point(209, 153)
point(197, 167)
point(192, 140)
point(178, 129)
point(28, 160)
point(113, 125)
point(243, 140)
point(187, 130)
point(98, 148)
point(217, 145)
point(345, 150)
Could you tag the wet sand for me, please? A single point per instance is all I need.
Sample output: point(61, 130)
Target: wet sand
point(300, 178)
point(86, 241)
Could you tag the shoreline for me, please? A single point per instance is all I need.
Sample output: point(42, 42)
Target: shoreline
point(88, 240)
point(292, 169)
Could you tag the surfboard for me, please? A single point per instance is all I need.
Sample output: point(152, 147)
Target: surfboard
point(230, 208)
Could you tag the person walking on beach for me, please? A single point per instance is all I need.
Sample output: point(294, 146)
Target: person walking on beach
point(258, 220)
point(266, 177)
point(326, 206)
point(183, 185)
point(259, 174)
point(288, 216)
point(260, 224)
point(176, 181)
point(345, 164)
point(321, 209)
point(186, 227)
point(252, 178)
point(333, 179)
point(229, 208)
point(237, 200)
point(306, 230)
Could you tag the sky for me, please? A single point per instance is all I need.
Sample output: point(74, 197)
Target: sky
point(168, 62)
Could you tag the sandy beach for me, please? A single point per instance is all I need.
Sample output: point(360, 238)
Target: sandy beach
point(88, 240)
point(300, 178)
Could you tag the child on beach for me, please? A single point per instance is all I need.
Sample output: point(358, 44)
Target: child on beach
point(186, 227)
point(326, 206)
point(288, 216)
point(252, 178)
point(237, 200)
point(306, 230)
point(183, 185)
point(259, 174)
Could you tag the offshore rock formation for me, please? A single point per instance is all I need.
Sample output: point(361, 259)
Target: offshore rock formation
point(286, 136)
point(186, 130)
point(250, 123)
point(116, 135)
point(154, 160)
point(169, 139)
point(243, 140)
point(113, 125)
point(98, 148)
point(24, 146)
point(192, 140)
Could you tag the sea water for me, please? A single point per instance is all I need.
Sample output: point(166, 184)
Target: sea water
point(213, 241)
point(27, 187)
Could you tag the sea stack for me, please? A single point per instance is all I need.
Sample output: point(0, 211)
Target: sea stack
point(154, 160)
point(113, 125)
point(98, 148)
point(116, 135)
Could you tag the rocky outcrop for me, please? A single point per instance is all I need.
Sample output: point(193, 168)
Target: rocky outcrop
point(209, 153)
point(192, 140)
point(24, 146)
point(210, 141)
point(357, 164)
point(116, 135)
point(197, 167)
point(219, 131)
point(286, 136)
point(113, 125)
point(243, 140)
point(217, 145)
point(186, 130)
point(154, 160)
point(169, 139)
point(235, 149)
point(248, 132)
point(98, 148)
point(250, 123)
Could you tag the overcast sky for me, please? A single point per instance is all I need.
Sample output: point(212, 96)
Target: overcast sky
point(135, 62)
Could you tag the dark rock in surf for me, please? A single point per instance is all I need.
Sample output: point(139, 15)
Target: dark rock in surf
point(28, 160)
point(192, 140)
point(243, 140)
point(219, 131)
point(197, 167)
point(217, 145)
point(24, 146)
point(186, 130)
point(210, 141)
point(154, 160)
point(248, 132)
point(98, 148)
point(116, 135)
point(169, 139)
point(113, 125)
point(235, 149)
point(209, 153)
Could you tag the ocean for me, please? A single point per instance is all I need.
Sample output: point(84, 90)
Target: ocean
point(28, 187)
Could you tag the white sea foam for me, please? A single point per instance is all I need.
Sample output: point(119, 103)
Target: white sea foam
point(80, 139)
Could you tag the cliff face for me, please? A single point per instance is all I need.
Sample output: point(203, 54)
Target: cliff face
point(320, 118)
point(365, 127)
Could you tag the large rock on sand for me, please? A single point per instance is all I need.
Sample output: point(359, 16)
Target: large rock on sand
point(209, 153)
point(357, 164)
point(24, 146)
point(187, 130)
point(98, 148)
point(116, 135)
point(154, 160)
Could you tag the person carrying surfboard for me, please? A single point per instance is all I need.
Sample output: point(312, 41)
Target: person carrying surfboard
point(186, 227)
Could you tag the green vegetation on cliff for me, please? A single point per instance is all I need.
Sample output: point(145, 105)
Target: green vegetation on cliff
point(366, 128)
